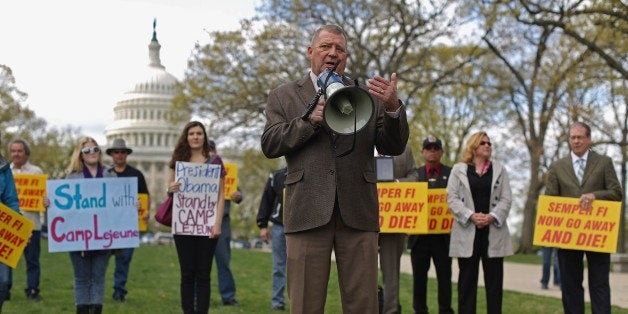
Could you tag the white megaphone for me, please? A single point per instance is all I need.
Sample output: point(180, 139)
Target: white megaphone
point(348, 109)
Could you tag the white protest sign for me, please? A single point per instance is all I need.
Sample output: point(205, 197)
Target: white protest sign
point(194, 206)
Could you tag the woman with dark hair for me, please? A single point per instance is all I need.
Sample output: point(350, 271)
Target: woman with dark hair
point(196, 252)
point(479, 198)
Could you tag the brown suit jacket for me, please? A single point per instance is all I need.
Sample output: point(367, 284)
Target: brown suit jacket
point(315, 175)
point(599, 178)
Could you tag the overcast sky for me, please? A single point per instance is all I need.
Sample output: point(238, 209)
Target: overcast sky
point(75, 58)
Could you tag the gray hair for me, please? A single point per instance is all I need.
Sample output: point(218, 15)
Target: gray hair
point(332, 28)
point(27, 148)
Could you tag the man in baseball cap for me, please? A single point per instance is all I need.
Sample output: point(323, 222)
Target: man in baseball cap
point(118, 152)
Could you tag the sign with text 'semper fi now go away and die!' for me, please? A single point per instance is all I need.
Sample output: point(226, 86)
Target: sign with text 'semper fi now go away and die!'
point(412, 208)
point(15, 230)
point(31, 189)
point(92, 214)
point(561, 222)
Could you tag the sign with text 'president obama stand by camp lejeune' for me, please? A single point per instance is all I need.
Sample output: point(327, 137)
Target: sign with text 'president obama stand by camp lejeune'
point(92, 214)
point(562, 223)
point(195, 205)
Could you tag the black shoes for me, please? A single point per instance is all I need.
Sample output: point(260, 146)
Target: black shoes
point(278, 308)
point(119, 298)
point(33, 295)
point(231, 303)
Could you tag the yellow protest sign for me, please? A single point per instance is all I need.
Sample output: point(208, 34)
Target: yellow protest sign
point(402, 207)
point(231, 179)
point(31, 189)
point(15, 230)
point(561, 222)
point(142, 216)
point(440, 219)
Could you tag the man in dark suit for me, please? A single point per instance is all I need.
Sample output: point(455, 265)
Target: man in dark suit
point(431, 246)
point(588, 176)
point(331, 200)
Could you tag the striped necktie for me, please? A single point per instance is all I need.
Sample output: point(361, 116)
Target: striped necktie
point(580, 169)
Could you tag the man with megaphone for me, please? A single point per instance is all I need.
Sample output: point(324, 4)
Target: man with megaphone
point(331, 193)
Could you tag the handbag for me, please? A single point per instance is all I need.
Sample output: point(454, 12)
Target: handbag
point(164, 213)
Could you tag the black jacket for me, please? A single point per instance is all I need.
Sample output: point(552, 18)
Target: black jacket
point(271, 206)
point(437, 183)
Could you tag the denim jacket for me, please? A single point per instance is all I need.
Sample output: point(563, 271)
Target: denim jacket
point(8, 192)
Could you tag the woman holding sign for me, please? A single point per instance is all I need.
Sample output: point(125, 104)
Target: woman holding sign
point(479, 197)
point(8, 197)
point(195, 252)
point(89, 267)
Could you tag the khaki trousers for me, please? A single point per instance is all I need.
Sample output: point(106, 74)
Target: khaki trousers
point(309, 264)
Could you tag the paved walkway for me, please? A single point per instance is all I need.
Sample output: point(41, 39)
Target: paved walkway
point(525, 278)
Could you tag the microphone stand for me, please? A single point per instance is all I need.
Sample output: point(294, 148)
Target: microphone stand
point(310, 107)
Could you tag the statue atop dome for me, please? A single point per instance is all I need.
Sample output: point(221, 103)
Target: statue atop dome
point(153, 49)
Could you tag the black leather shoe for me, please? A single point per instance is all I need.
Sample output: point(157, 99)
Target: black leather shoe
point(119, 298)
point(34, 297)
point(277, 308)
point(231, 303)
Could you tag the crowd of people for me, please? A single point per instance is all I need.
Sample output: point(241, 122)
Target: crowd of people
point(325, 200)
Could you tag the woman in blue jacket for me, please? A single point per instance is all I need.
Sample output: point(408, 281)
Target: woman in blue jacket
point(8, 197)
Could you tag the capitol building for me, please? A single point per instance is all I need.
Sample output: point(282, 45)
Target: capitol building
point(140, 118)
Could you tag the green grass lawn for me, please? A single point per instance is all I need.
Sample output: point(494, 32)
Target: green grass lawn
point(154, 287)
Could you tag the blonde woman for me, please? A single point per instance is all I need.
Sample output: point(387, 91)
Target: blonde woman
point(89, 267)
point(479, 198)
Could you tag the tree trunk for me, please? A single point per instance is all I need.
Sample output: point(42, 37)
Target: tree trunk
point(529, 211)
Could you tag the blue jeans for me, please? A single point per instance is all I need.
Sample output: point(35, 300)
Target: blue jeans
point(121, 272)
point(546, 253)
point(226, 284)
point(5, 283)
point(33, 271)
point(89, 276)
point(278, 240)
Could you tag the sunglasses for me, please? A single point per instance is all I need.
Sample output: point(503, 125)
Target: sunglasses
point(482, 143)
point(118, 152)
point(88, 150)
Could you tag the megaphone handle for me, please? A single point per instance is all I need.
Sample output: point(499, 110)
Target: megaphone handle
point(310, 107)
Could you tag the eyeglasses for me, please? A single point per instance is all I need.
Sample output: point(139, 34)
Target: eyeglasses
point(119, 152)
point(88, 150)
point(482, 143)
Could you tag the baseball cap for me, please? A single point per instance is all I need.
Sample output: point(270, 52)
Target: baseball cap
point(432, 141)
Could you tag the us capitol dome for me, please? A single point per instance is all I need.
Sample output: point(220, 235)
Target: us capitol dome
point(140, 118)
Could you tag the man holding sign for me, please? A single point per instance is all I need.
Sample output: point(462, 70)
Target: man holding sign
point(392, 245)
point(434, 246)
point(226, 283)
point(20, 154)
point(8, 197)
point(588, 176)
point(119, 152)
